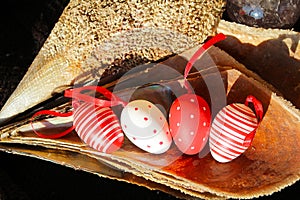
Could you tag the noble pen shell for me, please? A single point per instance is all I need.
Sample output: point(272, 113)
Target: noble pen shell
point(146, 126)
point(135, 31)
point(189, 119)
point(98, 127)
point(230, 131)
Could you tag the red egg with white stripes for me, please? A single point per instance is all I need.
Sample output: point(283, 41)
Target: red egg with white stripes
point(230, 132)
point(98, 127)
point(189, 119)
point(146, 126)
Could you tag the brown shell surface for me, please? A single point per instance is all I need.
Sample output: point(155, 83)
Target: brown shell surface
point(274, 54)
point(270, 163)
point(96, 33)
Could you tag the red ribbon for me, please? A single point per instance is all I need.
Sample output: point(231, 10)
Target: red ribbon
point(259, 112)
point(113, 100)
point(76, 95)
point(217, 38)
point(53, 113)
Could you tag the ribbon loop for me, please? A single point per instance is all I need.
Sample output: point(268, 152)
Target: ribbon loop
point(52, 113)
point(258, 108)
point(76, 95)
point(113, 100)
point(219, 37)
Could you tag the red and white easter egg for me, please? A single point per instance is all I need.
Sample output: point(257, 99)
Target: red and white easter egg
point(146, 126)
point(189, 120)
point(98, 127)
point(229, 132)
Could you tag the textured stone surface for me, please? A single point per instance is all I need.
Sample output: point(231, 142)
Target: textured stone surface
point(264, 13)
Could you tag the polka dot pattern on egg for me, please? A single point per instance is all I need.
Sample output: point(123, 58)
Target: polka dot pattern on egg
point(189, 120)
point(144, 122)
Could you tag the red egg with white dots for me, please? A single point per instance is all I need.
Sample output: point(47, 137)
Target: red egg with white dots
point(232, 132)
point(189, 120)
point(146, 126)
point(98, 127)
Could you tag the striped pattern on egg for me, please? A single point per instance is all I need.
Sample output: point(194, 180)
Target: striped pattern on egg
point(98, 127)
point(229, 130)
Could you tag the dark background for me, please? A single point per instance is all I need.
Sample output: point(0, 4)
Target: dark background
point(24, 27)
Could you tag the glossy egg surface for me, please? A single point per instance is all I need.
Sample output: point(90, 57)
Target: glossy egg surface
point(98, 127)
point(189, 119)
point(146, 126)
point(229, 130)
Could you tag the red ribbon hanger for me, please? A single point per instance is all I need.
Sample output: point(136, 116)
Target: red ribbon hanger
point(77, 96)
point(219, 37)
point(259, 111)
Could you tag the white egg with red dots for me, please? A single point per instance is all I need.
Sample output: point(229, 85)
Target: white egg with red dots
point(189, 119)
point(146, 126)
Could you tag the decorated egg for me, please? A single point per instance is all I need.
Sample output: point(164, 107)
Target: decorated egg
point(189, 119)
point(146, 126)
point(98, 127)
point(230, 132)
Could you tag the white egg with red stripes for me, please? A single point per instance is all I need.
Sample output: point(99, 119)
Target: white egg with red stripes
point(146, 126)
point(98, 127)
point(232, 132)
